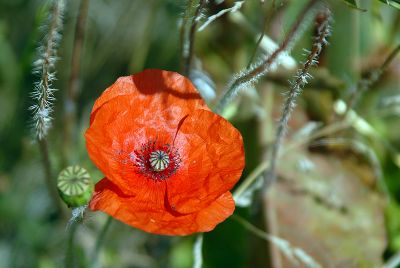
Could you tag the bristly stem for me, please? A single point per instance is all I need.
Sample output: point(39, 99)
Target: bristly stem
point(188, 39)
point(99, 242)
point(323, 27)
point(43, 93)
point(251, 75)
point(73, 84)
point(364, 84)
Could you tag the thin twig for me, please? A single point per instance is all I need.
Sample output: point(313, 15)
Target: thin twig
point(302, 77)
point(73, 84)
point(327, 130)
point(267, 19)
point(252, 177)
point(99, 242)
point(188, 55)
point(212, 18)
point(251, 75)
point(362, 148)
point(184, 46)
point(263, 166)
point(364, 84)
point(293, 254)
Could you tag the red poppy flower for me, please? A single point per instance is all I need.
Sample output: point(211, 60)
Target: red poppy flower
point(169, 161)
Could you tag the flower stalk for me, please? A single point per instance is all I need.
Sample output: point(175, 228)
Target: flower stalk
point(301, 79)
point(364, 84)
point(70, 256)
point(251, 75)
point(43, 67)
point(197, 252)
point(99, 242)
point(73, 84)
point(43, 93)
point(188, 33)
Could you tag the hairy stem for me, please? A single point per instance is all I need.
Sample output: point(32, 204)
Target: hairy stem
point(43, 95)
point(251, 75)
point(323, 26)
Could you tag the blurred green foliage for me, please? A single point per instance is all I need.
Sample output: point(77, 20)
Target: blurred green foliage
point(124, 37)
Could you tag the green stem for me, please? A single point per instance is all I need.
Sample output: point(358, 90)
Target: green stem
point(252, 75)
point(256, 173)
point(100, 241)
point(69, 258)
point(364, 84)
point(50, 182)
point(197, 251)
point(188, 57)
point(73, 83)
point(267, 19)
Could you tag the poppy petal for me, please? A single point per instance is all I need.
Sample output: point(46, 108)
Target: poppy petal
point(156, 216)
point(169, 161)
point(213, 160)
point(118, 130)
point(153, 88)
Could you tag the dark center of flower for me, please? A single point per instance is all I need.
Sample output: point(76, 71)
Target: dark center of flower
point(156, 161)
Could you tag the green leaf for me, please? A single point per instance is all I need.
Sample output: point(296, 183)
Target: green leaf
point(353, 4)
point(393, 3)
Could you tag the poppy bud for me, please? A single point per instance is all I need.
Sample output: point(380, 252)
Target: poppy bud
point(75, 186)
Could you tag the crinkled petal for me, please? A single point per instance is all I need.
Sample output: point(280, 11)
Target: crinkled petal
point(153, 89)
point(212, 161)
point(122, 126)
point(155, 215)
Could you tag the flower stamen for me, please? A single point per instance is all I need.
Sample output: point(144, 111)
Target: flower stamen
point(159, 160)
point(156, 161)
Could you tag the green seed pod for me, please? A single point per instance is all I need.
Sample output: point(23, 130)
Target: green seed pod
point(75, 186)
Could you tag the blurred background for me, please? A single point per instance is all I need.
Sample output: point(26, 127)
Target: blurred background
point(337, 197)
